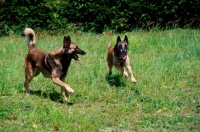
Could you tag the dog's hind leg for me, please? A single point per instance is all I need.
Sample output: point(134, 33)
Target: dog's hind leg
point(27, 81)
point(28, 70)
point(110, 68)
point(110, 64)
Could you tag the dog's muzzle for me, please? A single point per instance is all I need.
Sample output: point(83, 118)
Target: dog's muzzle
point(123, 54)
point(78, 51)
point(75, 57)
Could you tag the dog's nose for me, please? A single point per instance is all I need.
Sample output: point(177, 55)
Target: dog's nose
point(123, 50)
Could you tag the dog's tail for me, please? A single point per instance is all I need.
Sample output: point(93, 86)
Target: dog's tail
point(30, 37)
point(109, 46)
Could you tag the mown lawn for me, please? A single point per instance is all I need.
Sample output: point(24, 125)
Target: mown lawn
point(166, 97)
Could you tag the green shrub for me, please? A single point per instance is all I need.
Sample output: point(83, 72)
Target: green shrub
point(97, 16)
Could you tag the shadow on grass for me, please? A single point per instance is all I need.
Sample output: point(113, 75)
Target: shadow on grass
point(115, 80)
point(54, 96)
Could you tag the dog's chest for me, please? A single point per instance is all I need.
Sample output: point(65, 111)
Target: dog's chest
point(118, 62)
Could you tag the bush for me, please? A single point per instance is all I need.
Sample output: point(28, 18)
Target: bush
point(97, 16)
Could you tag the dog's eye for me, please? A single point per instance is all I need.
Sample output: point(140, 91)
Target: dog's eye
point(65, 46)
point(120, 46)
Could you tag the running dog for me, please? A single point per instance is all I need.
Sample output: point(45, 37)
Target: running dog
point(53, 65)
point(118, 57)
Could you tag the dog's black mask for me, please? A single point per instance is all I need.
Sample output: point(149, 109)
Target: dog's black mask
point(121, 48)
point(71, 49)
point(78, 51)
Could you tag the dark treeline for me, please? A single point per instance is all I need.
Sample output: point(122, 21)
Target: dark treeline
point(94, 15)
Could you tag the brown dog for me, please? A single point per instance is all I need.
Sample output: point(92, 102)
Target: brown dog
point(54, 64)
point(118, 57)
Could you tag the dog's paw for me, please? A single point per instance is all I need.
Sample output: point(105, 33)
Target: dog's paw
point(65, 98)
point(125, 74)
point(134, 81)
point(27, 91)
point(70, 90)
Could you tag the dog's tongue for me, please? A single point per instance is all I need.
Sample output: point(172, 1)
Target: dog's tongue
point(123, 56)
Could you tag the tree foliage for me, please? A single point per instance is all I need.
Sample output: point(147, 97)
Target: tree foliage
point(93, 15)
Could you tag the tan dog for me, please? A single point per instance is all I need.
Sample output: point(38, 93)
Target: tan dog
point(54, 64)
point(118, 57)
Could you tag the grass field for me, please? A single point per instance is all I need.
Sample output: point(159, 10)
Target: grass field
point(166, 97)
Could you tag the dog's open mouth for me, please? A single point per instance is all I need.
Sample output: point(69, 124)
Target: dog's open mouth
point(76, 57)
point(123, 55)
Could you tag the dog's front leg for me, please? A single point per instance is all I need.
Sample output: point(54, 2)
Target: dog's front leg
point(63, 91)
point(131, 74)
point(128, 66)
point(58, 82)
point(123, 72)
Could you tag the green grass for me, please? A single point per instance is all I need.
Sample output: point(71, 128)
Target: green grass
point(166, 97)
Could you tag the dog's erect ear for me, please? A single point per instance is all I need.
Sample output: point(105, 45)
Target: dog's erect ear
point(126, 39)
point(66, 42)
point(118, 39)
